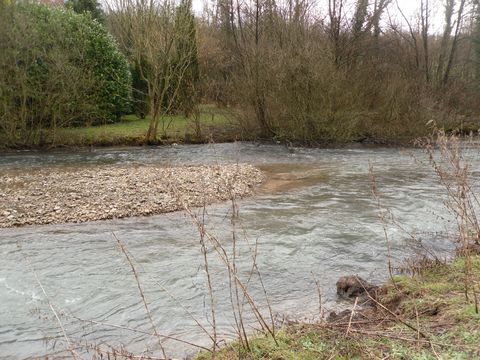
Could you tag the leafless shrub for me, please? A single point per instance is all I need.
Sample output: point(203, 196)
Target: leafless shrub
point(238, 257)
point(448, 156)
point(142, 294)
point(69, 344)
point(241, 298)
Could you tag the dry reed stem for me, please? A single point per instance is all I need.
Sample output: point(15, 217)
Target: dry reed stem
point(50, 305)
point(142, 294)
point(397, 317)
point(253, 253)
point(319, 293)
point(351, 315)
point(231, 268)
point(209, 282)
point(102, 323)
point(376, 196)
point(454, 173)
point(237, 305)
point(188, 312)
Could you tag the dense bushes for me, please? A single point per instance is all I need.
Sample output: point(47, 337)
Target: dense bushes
point(58, 68)
point(289, 71)
point(301, 73)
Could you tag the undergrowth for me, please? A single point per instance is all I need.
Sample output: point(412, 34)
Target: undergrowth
point(433, 301)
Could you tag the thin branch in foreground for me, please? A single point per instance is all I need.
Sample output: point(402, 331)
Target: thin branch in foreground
point(397, 317)
point(52, 308)
point(253, 253)
point(101, 323)
point(188, 312)
point(209, 280)
point(319, 293)
point(230, 267)
point(142, 294)
point(351, 315)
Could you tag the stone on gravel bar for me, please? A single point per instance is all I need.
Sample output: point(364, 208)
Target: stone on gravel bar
point(60, 195)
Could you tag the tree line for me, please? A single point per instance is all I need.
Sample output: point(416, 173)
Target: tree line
point(340, 70)
point(350, 70)
point(61, 66)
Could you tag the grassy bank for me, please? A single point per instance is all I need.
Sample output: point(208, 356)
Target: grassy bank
point(428, 317)
point(132, 129)
point(214, 124)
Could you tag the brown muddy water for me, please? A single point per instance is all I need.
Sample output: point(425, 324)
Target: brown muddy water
point(289, 176)
point(314, 216)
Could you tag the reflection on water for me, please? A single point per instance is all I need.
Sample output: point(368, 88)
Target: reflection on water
point(315, 215)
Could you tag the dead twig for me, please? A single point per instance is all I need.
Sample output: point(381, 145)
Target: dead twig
point(319, 293)
point(351, 315)
point(101, 323)
point(52, 308)
point(209, 281)
point(397, 317)
point(221, 252)
point(142, 294)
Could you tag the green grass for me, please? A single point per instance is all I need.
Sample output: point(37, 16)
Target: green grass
point(452, 330)
point(215, 124)
point(132, 129)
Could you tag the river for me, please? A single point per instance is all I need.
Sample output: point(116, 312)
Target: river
point(316, 217)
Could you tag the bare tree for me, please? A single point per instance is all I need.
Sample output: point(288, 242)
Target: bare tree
point(360, 17)
point(456, 35)
point(335, 15)
point(425, 24)
point(379, 8)
point(449, 6)
point(412, 39)
point(148, 32)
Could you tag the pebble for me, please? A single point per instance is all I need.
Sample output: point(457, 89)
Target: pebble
point(62, 195)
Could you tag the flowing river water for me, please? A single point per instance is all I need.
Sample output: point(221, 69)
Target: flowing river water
point(314, 218)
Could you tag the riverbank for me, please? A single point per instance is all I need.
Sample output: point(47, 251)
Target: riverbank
point(212, 125)
point(426, 316)
point(46, 196)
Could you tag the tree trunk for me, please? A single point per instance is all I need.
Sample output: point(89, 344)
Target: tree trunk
point(454, 42)
point(425, 13)
point(152, 126)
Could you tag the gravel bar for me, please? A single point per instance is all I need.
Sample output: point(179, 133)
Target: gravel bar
point(49, 196)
